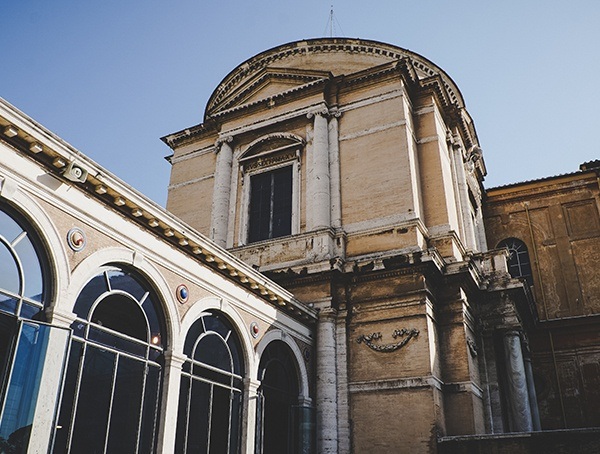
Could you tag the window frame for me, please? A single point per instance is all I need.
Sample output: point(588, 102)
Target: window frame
point(264, 162)
point(513, 244)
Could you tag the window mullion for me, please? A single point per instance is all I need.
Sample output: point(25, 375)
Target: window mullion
point(112, 396)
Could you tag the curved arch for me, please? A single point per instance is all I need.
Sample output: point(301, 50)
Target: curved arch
point(218, 304)
point(278, 335)
point(293, 138)
point(54, 249)
point(375, 53)
point(88, 268)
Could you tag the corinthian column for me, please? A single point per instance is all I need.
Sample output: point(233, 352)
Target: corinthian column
point(319, 211)
point(518, 395)
point(220, 203)
point(326, 402)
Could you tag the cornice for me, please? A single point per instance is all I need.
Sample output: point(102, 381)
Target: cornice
point(55, 155)
point(326, 45)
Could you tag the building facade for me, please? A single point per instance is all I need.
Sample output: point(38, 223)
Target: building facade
point(124, 330)
point(330, 276)
point(349, 171)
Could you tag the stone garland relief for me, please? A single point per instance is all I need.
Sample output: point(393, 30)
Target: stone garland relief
point(372, 340)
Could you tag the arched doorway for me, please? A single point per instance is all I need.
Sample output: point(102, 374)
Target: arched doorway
point(277, 406)
point(211, 393)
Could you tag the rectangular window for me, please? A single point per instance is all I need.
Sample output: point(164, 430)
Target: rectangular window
point(270, 204)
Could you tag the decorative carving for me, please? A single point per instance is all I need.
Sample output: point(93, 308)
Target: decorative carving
point(221, 140)
point(319, 110)
point(473, 350)
point(404, 333)
point(267, 161)
point(76, 239)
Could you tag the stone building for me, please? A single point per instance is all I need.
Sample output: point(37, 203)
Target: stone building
point(349, 171)
point(330, 276)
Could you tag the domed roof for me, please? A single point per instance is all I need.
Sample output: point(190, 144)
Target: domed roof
point(307, 61)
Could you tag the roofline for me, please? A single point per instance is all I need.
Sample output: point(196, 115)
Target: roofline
point(56, 154)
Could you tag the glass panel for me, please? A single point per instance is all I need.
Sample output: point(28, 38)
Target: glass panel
point(220, 420)
point(31, 269)
point(25, 407)
point(123, 314)
point(282, 202)
point(150, 412)
point(236, 414)
point(182, 415)
point(8, 304)
point(29, 310)
point(127, 402)
point(192, 336)
point(198, 418)
point(9, 271)
point(260, 207)
point(66, 409)
point(213, 351)
point(21, 397)
point(150, 308)
point(119, 280)
point(90, 293)
point(91, 419)
point(9, 229)
point(117, 342)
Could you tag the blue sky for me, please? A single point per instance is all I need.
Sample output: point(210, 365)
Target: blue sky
point(112, 77)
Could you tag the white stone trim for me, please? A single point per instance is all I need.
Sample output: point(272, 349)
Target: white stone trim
point(277, 334)
point(93, 264)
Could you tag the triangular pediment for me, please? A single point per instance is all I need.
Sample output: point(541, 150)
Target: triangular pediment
point(268, 83)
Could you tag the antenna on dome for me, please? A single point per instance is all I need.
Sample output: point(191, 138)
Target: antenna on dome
point(331, 24)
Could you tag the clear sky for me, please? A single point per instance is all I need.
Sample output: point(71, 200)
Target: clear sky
point(111, 77)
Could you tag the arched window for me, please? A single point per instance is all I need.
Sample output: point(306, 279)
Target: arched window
point(278, 421)
point(210, 399)
point(112, 389)
point(23, 288)
point(27, 371)
point(518, 259)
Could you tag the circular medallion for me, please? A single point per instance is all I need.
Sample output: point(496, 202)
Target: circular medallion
point(182, 293)
point(76, 239)
point(254, 329)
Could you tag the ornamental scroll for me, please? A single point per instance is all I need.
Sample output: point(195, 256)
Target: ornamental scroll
point(370, 340)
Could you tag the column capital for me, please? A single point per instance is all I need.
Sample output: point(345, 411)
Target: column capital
point(320, 110)
point(221, 140)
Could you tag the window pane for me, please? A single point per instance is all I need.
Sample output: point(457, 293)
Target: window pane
point(125, 414)
point(31, 269)
point(66, 409)
point(213, 351)
point(91, 419)
point(117, 342)
point(219, 426)
point(260, 206)
point(8, 303)
point(282, 202)
point(93, 289)
point(199, 414)
point(182, 415)
point(119, 280)
point(9, 272)
point(22, 395)
point(123, 314)
point(150, 411)
point(9, 229)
